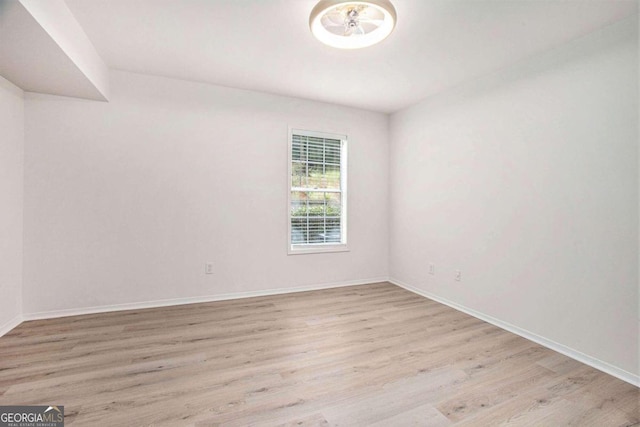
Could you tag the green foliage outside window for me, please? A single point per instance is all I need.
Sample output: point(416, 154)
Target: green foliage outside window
point(315, 210)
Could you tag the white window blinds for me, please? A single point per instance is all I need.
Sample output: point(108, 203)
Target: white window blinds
point(317, 193)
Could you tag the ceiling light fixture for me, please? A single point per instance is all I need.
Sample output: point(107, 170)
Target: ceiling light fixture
point(352, 24)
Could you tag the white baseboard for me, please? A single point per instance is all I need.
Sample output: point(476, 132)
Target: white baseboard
point(7, 326)
point(192, 300)
point(560, 348)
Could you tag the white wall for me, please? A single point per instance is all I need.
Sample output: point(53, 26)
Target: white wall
point(527, 182)
point(125, 201)
point(11, 195)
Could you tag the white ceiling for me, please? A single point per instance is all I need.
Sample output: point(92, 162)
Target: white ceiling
point(266, 45)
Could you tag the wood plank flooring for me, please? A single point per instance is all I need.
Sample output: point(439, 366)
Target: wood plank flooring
point(372, 355)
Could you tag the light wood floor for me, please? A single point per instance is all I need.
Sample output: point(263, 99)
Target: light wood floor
point(373, 355)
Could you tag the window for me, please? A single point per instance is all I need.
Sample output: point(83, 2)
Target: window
point(317, 192)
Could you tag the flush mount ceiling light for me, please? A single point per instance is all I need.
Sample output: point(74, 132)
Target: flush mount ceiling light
point(352, 24)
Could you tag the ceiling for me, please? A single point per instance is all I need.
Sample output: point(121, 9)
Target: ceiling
point(266, 45)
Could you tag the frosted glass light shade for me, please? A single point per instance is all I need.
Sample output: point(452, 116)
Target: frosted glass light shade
point(352, 24)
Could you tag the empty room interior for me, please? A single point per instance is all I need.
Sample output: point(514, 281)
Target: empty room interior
point(319, 213)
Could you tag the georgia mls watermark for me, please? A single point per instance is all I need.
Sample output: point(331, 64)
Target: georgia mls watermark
point(31, 416)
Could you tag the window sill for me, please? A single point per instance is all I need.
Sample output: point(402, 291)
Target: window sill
point(319, 249)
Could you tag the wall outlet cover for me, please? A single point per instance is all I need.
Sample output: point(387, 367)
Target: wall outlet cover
point(208, 268)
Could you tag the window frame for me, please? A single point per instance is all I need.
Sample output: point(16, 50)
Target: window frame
point(314, 248)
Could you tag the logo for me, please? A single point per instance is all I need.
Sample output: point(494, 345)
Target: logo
point(31, 416)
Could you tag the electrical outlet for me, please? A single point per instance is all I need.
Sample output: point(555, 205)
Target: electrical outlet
point(432, 269)
point(208, 268)
point(458, 275)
